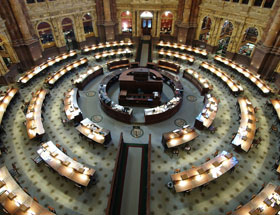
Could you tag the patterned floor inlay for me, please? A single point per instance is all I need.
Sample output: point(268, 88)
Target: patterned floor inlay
point(96, 118)
point(180, 122)
point(90, 93)
point(136, 132)
point(191, 98)
point(219, 197)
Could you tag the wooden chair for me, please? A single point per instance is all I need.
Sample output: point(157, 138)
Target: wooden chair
point(35, 199)
point(238, 207)
point(216, 153)
point(64, 151)
point(177, 170)
point(229, 213)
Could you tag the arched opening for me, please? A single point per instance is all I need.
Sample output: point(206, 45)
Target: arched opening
point(225, 37)
point(69, 35)
point(205, 29)
point(268, 3)
point(166, 23)
point(248, 42)
point(3, 54)
point(87, 23)
point(146, 22)
point(126, 21)
point(45, 34)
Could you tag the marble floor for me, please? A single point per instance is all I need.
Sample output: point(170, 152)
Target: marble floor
point(222, 195)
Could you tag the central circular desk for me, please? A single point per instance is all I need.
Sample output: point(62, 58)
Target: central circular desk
point(152, 115)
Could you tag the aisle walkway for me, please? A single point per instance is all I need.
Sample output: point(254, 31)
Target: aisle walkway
point(132, 181)
point(144, 54)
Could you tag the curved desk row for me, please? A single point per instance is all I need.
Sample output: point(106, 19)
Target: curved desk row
point(117, 64)
point(65, 165)
point(165, 111)
point(208, 113)
point(203, 174)
point(107, 45)
point(34, 124)
point(5, 100)
point(197, 80)
point(116, 111)
point(168, 65)
point(276, 104)
point(254, 78)
point(71, 107)
point(53, 78)
point(84, 78)
point(178, 137)
point(181, 47)
point(246, 132)
point(15, 200)
point(33, 72)
point(234, 85)
point(94, 132)
point(266, 202)
point(113, 54)
point(177, 55)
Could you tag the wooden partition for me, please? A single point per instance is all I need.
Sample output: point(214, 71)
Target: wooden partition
point(114, 206)
point(5, 100)
point(15, 200)
point(38, 69)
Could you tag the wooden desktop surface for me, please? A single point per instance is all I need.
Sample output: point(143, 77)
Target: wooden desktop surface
point(34, 124)
point(5, 101)
point(246, 131)
point(258, 201)
point(65, 165)
point(205, 173)
point(15, 200)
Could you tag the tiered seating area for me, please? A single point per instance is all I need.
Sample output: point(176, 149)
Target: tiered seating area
point(198, 97)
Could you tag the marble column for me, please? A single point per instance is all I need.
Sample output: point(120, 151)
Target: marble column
point(22, 33)
point(215, 32)
point(108, 23)
point(234, 39)
point(267, 52)
point(58, 33)
point(154, 21)
point(159, 23)
point(3, 68)
point(184, 25)
point(134, 23)
point(138, 24)
point(198, 30)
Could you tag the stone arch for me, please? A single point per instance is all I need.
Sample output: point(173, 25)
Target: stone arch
point(205, 29)
point(225, 36)
point(88, 24)
point(126, 21)
point(45, 33)
point(166, 22)
point(249, 39)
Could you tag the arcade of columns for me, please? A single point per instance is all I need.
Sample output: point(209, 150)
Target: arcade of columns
point(187, 20)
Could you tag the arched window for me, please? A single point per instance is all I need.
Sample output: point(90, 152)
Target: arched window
point(205, 29)
point(69, 35)
point(225, 37)
point(268, 3)
point(45, 33)
point(146, 14)
point(3, 54)
point(87, 22)
point(166, 22)
point(126, 21)
point(248, 42)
